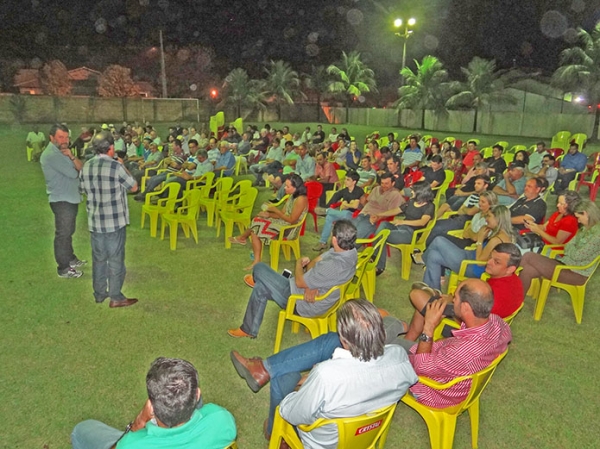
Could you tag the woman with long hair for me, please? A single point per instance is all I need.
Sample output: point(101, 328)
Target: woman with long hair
point(443, 253)
point(562, 225)
point(267, 224)
point(418, 212)
point(579, 251)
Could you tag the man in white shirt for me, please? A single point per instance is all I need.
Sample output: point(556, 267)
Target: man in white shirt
point(362, 376)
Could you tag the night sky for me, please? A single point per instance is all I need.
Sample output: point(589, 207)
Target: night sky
point(247, 33)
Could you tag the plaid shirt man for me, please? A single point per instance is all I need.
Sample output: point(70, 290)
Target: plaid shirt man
point(105, 182)
point(469, 351)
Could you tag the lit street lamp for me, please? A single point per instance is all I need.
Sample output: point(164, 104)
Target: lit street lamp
point(404, 33)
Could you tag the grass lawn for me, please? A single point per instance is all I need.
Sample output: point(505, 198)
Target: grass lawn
point(65, 358)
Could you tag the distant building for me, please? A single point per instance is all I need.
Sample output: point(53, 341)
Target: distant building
point(84, 82)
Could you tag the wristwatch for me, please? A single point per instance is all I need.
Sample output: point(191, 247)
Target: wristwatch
point(426, 338)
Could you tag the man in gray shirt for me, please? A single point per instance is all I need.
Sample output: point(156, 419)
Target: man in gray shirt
point(334, 267)
point(61, 171)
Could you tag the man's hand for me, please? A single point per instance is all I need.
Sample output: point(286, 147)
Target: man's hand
point(66, 151)
point(304, 261)
point(433, 315)
point(397, 222)
point(373, 219)
point(310, 295)
point(143, 417)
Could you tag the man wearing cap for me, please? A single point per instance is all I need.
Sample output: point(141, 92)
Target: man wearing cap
point(61, 171)
point(512, 184)
point(106, 181)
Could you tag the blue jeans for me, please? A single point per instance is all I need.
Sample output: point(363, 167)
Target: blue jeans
point(443, 253)
point(399, 235)
point(155, 181)
point(92, 434)
point(258, 170)
point(332, 216)
point(364, 228)
point(65, 217)
point(268, 284)
point(443, 226)
point(456, 201)
point(108, 269)
point(285, 367)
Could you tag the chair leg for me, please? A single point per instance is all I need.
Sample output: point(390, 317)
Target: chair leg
point(315, 220)
point(274, 251)
point(577, 299)
point(228, 233)
point(279, 333)
point(406, 263)
point(173, 228)
point(194, 228)
point(296, 248)
point(368, 285)
point(143, 218)
point(541, 300)
point(153, 223)
point(474, 416)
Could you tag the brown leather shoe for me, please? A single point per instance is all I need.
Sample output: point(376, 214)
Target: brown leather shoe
point(252, 370)
point(124, 303)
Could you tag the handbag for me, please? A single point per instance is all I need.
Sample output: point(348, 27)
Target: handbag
point(530, 242)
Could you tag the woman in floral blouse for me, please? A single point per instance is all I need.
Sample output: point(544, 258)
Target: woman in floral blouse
point(580, 251)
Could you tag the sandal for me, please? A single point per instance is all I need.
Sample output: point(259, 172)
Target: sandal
point(237, 241)
point(415, 261)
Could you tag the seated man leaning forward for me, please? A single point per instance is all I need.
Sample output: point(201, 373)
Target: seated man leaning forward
point(172, 417)
point(481, 338)
point(362, 375)
point(311, 278)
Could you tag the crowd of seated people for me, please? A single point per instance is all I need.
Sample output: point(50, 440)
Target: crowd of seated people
point(391, 186)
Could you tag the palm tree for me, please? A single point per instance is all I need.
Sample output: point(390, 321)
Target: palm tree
point(353, 78)
point(425, 88)
point(484, 86)
point(318, 81)
point(579, 71)
point(282, 84)
point(241, 91)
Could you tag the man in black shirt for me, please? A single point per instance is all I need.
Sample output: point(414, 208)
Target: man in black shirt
point(435, 174)
point(319, 135)
point(348, 199)
point(496, 163)
point(530, 206)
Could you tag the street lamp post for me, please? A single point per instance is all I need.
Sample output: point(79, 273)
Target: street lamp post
point(404, 33)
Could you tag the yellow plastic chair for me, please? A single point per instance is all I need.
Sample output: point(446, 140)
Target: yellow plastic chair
point(238, 213)
point(210, 204)
point(29, 153)
point(437, 333)
point(487, 152)
point(206, 179)
point(561, 140)
point(580, 139)
point(285, 243)
point(213, 126)
point(238, 124)
point(441, 422)
point(441, 190)
point(240, 164)
point(508, 157)
point(186, 216)
point(163, 205)
point(369, 279)
point(450, 139)
point(316, 325)
point(368, 431)
point(516, 148)
point(232, 445)
point(223, 196)
point(419, 238)
point(576, 292)
point(504, 144)
point(457, 278)
point(341, 174)
point(353, 290)
point(427, 139)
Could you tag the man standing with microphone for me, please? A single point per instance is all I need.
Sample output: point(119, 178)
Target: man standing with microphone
point(105, 181)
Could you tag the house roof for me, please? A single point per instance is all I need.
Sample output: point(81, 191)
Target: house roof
point(27, 78)
point(83, 73)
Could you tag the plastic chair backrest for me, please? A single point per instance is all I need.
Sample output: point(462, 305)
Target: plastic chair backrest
point(314, 190)
point(378, 244)
point(213, 126)
point(361, 265)
point(557, 152)
point(579, 139)
point(341, 174)
point(191, 199)
point(361, 432)
point(509, 319)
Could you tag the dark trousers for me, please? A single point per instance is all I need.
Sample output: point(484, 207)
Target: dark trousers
point(443, 226)
point(65, 215)
point(108, 269)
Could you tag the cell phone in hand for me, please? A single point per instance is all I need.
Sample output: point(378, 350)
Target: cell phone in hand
point(286, 273)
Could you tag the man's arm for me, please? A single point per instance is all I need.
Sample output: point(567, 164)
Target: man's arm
point(433, 317)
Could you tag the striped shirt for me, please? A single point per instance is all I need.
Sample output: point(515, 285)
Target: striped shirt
point(106, 182)
point(470, 350)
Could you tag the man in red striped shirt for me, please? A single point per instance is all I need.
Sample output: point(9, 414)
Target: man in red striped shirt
point(482, 337)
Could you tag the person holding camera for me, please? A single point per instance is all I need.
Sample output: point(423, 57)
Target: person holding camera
point(311, 278)
point(105, 181)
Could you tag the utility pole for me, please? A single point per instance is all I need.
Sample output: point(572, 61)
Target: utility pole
point(163, 74)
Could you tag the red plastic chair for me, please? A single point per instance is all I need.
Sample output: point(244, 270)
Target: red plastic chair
point(314, 190)
point(556, 152)
point(593, 184)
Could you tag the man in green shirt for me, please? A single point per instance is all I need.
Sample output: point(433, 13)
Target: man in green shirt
point(173, 416)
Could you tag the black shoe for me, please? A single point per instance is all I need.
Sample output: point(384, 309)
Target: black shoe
point(378, 271)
